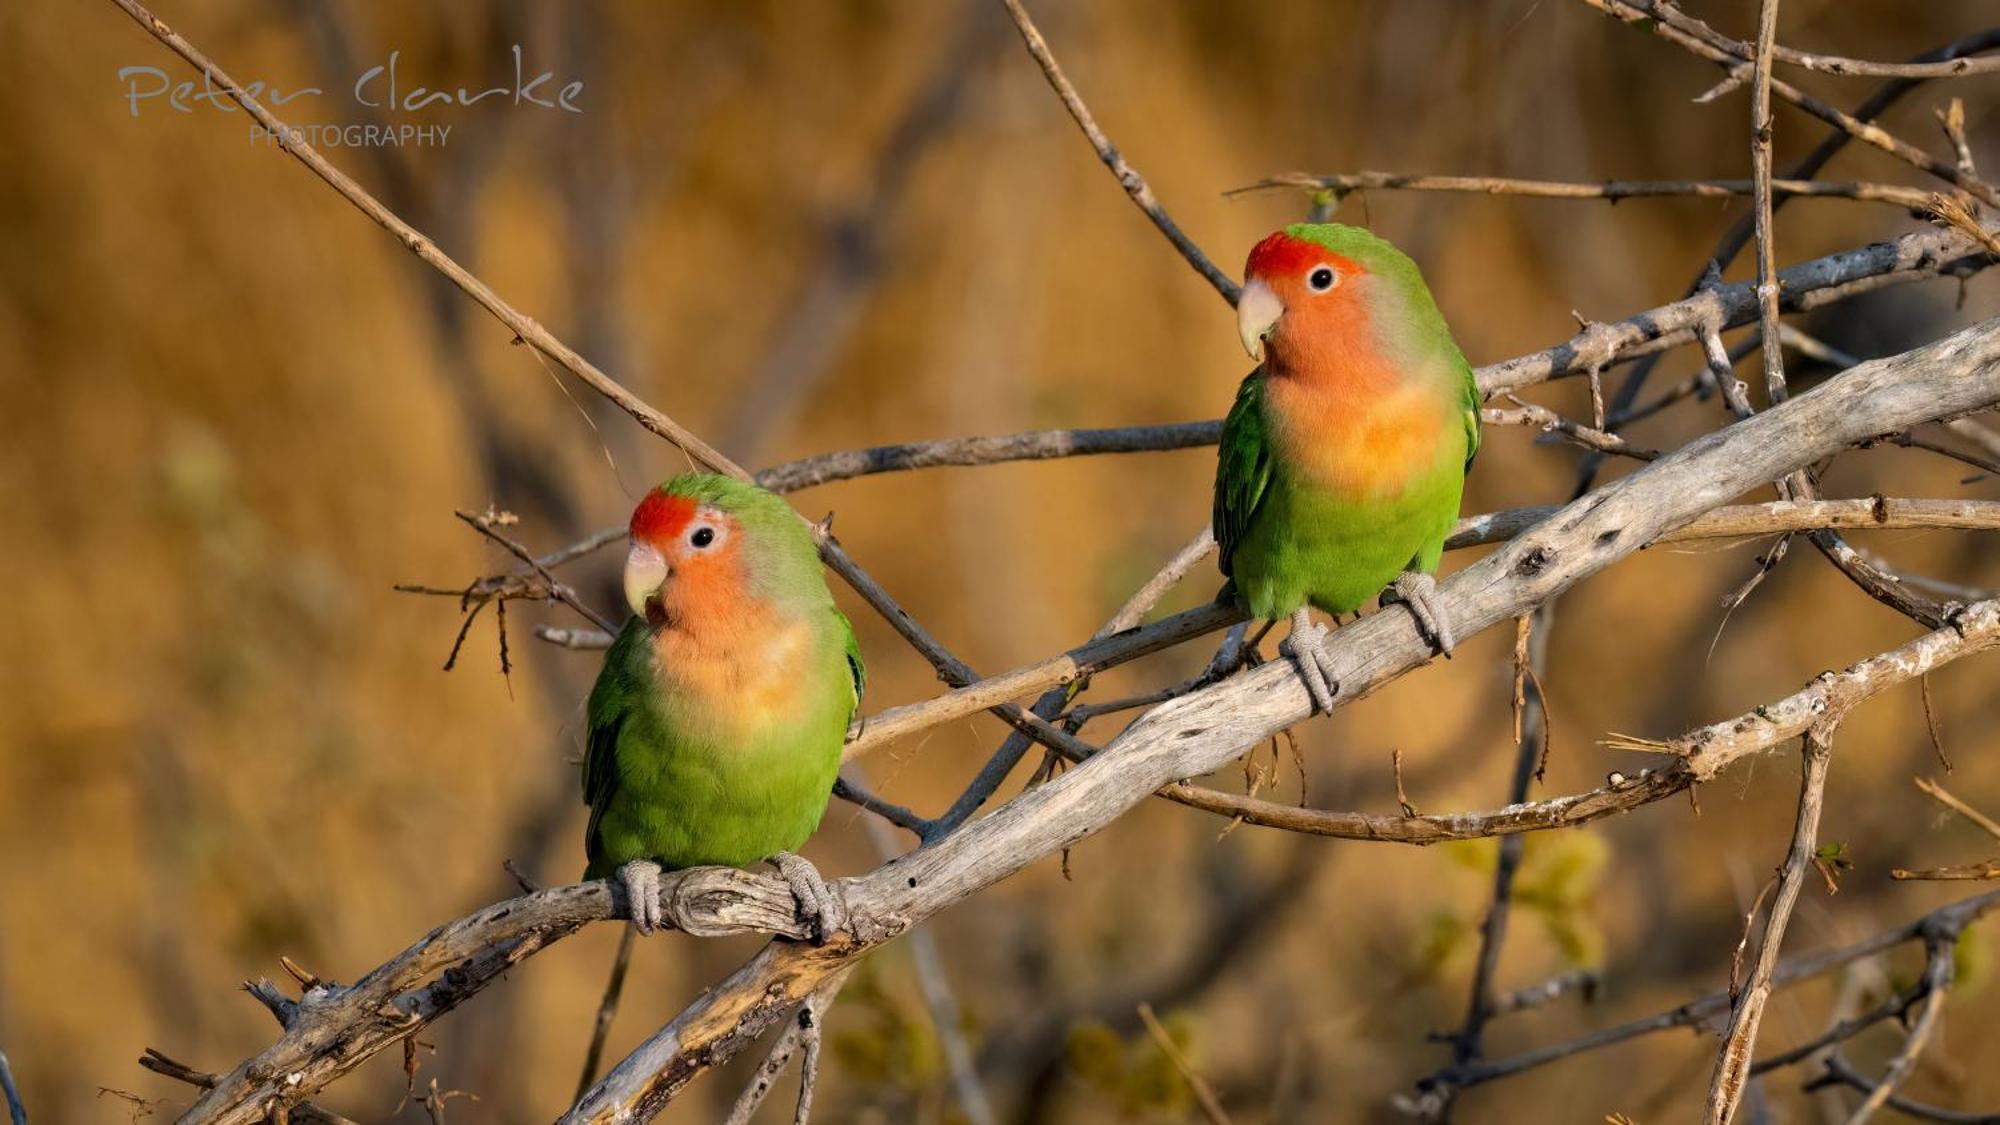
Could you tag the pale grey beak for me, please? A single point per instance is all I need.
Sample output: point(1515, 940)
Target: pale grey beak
point(644, 571)
point(1257, 312)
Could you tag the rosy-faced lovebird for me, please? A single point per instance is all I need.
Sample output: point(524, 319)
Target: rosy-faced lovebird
point(1342, 460)
point(716, 725)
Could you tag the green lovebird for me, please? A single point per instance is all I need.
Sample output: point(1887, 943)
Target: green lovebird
point(716, 725)
point(1343, 458)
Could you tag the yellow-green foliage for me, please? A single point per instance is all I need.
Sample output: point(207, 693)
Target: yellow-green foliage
point(1136, 1076)
point(894, 1045)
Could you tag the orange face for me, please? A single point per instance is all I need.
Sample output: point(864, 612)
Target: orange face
point(1303, 300)
point(685, 568)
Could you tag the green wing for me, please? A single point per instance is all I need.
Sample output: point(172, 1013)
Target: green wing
point(1242, 467)
point(855, 668)
point(611, 700)
point(1471, 385)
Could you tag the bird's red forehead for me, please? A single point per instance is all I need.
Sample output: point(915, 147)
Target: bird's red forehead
point(1283, 255)
point(660, 517)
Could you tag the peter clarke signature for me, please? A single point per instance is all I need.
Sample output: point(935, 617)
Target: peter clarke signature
point(378, 87)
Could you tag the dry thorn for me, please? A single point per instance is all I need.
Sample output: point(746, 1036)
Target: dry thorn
point(1931, 722)
point(1548, 721)
point(137, 1106)
point(1523, 631)
point(1298, 762)
point(1944, 797)
point(1743, 943)
point(521, 878)
point(306, 980)
point(1952, 119)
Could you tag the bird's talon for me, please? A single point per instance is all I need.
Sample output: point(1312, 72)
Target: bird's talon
point(818, 903)
point(1418, 591)
point(641, 879)
point(1306, 648)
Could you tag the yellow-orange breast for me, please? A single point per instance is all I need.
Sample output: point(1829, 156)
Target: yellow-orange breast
point(1360, 443)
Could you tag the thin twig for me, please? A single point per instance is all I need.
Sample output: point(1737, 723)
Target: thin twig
point(1939, 958)
point(1760, 174)
point(1837, 1072)
point(1947, 922)
point(1667, 22)
point(1853, 68)
point(801, 1036)
point(1944, 797)
point(1610, 190)
point(942, 1002)
point(17, 1111)
point(1746, 1010)
point(607, 1009)
point(1584, 981)
point(1204, 1094)
point(1128, 177)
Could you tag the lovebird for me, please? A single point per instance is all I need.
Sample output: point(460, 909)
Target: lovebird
point(1342, 461)
point(715, 728)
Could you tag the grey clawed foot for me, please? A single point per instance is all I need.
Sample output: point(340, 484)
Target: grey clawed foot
point(1419, 592)
point(1306, 647)
point(641, 879)
point(818, 902)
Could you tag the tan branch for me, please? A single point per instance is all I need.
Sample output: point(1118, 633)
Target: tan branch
point(1609, 190)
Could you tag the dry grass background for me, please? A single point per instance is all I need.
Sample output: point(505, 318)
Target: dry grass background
point(228, 424)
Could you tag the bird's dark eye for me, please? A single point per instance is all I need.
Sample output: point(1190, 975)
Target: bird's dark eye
point(1320, 279)
point(702, 536)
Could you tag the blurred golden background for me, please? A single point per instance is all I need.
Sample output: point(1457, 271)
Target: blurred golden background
point(233, 413)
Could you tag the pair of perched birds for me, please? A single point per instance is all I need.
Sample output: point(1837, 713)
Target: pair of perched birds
point(715, 729)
